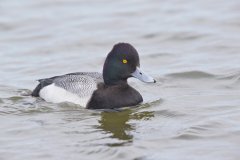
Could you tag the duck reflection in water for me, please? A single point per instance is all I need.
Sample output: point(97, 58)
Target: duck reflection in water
point(117, 123)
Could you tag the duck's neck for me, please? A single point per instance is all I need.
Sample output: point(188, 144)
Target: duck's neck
point(115, 82)
point(111, 77)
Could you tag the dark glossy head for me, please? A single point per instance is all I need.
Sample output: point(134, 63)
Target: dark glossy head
point(120, 63)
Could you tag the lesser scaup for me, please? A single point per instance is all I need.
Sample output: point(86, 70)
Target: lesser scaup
point(95, 90)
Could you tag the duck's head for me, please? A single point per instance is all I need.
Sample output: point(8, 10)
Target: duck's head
point(121, 63)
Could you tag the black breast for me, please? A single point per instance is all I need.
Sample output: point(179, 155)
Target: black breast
point(116, 96)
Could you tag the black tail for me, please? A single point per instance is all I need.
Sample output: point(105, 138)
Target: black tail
point(35, 92)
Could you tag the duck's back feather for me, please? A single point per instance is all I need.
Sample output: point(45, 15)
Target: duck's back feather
point(69, 87)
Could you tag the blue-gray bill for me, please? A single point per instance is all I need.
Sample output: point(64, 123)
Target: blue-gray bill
point(142, 76)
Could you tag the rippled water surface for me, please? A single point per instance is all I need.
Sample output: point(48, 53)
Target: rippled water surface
point(191, 47)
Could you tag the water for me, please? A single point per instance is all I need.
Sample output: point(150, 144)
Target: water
point(191, 47)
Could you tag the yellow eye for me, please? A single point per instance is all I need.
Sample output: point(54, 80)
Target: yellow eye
point(124, 61)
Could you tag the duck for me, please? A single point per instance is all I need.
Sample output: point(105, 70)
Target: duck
point(94, 90)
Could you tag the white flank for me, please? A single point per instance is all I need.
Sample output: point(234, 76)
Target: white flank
point(55, 94)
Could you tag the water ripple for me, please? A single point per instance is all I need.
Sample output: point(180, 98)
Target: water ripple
point(191, 75)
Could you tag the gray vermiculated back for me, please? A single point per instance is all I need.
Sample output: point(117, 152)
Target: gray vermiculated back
point(95, 75)
point(80, 83)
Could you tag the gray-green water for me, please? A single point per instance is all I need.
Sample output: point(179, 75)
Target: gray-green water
point(191, 47)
